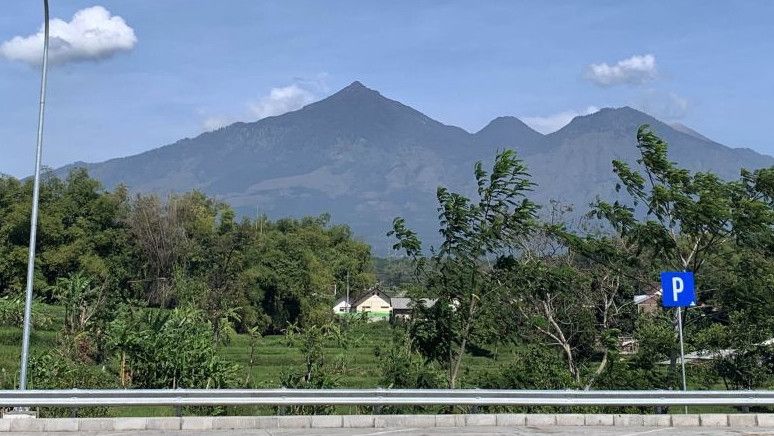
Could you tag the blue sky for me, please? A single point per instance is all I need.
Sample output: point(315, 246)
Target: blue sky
point(196, 64)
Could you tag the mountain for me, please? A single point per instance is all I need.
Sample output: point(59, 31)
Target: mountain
point(509, 132)
point(367, 159)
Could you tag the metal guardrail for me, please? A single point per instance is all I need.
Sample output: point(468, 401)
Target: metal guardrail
point(377, 397)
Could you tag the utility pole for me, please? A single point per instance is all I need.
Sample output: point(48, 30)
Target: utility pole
point(259, 219)
point(349, 306)
point(34, 217)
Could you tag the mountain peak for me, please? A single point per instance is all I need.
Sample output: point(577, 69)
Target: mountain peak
point(507, 123)
point(609, 118)
point(510, 132)
point(356, 88)
point(363, 112)
point(355, 85)
point(368, 158)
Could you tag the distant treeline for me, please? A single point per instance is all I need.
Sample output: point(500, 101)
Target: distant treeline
point(184, 249)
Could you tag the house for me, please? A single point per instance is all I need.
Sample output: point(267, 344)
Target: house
point(342, 306)
point(402, 307)
point(375, 303)
point(650, 302)
point(378, 305)
point(628, 345)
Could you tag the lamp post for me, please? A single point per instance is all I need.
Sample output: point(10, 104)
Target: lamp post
point(34, 218)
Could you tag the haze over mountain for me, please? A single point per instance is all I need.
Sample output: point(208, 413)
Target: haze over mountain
point(366, 159)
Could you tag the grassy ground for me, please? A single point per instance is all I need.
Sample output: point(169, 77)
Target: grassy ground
point(272, 356)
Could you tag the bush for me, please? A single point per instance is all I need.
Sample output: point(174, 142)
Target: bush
point(533, 367)
point(54, 370)
point(169, 349)
point(12, 313)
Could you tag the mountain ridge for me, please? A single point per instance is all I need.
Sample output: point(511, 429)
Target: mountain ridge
point(366, 158)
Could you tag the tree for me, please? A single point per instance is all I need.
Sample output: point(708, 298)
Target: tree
point(692, 222)
point(297, 265)
point(687, 216)
point(81, 301)
point(461, 272)
point(157, 230)
point(80, 229)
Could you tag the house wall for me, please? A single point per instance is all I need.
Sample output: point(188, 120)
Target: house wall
point(339, 308)
point(376, 306)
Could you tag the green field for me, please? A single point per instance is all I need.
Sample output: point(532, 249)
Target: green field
point(272, 356)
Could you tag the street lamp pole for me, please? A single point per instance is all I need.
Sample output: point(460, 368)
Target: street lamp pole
point(34, 219)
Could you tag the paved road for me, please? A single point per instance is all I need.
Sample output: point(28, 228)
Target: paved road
point(468, 431)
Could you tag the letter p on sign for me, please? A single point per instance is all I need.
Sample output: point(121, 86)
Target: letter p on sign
point(678, 289)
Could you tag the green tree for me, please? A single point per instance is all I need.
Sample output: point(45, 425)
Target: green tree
point(695, 222)
point(463, 271)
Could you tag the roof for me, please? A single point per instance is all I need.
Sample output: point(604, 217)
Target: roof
point(400, 303)
point(428, 302)
point(710, 355)
point(404, 303)
point(373, 291)
point(644, 298)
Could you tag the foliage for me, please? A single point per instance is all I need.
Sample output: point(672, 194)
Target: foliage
point(742, 358)
point(403, 368)
point(12, 313)
point(81, 301)
point(80, 229)
point(169, 349)
point(701, 223)
point(310, 339)
point(319, 370)
point(461, 273)
point(55, 370)
point(530, 367)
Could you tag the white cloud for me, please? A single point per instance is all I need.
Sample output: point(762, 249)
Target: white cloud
point(277, 102)
point(635, 70)
point(281, 100)
point(215, 123)
point(92, 34)
point(666, 106)
point(552, 123)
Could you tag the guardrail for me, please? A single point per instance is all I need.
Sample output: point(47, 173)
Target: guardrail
point(377, 397)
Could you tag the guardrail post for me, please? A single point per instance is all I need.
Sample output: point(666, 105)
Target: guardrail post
point(178, 408)
point(377, 410)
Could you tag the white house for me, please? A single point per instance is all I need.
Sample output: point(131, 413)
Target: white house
point(342, 306)
point(378, 305)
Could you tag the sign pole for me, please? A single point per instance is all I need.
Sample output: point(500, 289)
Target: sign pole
point(678, 290)
point(682, 347)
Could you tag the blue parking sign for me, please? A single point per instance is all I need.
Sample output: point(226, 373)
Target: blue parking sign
point(678, 289)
